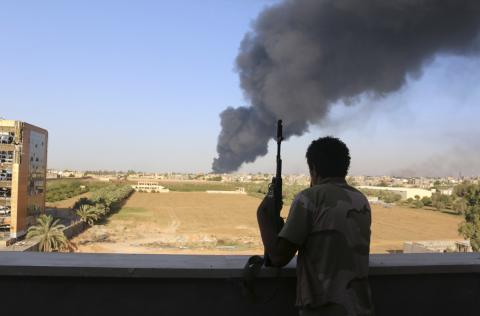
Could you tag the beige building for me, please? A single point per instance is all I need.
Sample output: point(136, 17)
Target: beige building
point(23, 168)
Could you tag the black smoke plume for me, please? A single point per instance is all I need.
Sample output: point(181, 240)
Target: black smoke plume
point(304, 55)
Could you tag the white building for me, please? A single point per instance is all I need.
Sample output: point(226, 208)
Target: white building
point(149, 186)
point(406, 193)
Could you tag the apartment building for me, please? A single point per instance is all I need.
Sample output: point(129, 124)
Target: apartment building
point(23, 168)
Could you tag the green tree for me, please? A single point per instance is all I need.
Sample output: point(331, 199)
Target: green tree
point(470, 228)
point(460, 205)
point(441, 201)
point(50, 233)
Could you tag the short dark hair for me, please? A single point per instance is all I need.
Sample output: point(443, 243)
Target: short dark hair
point(329, 156)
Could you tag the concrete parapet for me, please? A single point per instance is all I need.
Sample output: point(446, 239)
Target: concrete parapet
point(117, 284)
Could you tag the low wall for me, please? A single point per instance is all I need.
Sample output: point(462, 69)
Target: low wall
point(75, 229)
point(61, 213)
point(101, 284)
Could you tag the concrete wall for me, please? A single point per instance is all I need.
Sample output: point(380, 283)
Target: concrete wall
point(94, 284)
point(75, 229)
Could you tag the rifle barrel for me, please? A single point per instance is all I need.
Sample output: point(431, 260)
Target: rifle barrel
point(279, 148)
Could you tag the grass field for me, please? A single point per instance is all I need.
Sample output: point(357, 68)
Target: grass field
point(197, 222)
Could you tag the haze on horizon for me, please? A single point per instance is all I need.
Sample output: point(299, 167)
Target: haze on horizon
point(140, 86)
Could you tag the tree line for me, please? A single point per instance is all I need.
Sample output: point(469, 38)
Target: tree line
point(101, 203)
point(59, 190)
point(89, 210)
point(454, 203)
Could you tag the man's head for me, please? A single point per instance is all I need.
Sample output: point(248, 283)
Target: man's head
point(328, 157)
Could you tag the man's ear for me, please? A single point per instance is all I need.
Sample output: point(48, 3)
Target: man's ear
point(313, 176)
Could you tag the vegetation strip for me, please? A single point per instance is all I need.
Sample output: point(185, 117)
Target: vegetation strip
point(89, 210)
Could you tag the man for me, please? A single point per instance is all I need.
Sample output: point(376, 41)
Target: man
point(329, 226)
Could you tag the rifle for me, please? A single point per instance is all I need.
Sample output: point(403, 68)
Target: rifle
point(254, 263)
point(275, 187)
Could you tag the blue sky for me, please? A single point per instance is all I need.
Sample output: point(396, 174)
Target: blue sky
point(139, 85)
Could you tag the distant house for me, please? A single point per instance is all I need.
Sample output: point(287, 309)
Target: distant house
point(448, 191)
point(149, 186)
point(52, 175)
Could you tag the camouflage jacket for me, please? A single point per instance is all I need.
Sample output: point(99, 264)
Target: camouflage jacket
point(330, 222)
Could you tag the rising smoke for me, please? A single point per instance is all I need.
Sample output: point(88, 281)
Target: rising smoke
point(459, 159)
point(304, 55)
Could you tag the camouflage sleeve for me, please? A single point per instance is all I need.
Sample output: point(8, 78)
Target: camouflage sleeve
point(299, 221)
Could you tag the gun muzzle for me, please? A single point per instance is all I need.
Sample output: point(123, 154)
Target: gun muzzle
point(279, 130)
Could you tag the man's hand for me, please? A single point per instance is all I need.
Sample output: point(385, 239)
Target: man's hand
point(269, 215)
point(280, 250)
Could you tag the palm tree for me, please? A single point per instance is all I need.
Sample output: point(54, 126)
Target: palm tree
point(51, 234)
point(88, 214)
point(80, 202)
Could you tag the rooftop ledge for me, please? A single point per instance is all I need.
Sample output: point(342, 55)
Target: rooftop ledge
point(200, 266)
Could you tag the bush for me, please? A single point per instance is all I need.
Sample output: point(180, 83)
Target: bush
point(417, 204)
point(427, 201)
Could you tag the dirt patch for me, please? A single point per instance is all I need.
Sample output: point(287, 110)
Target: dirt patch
point(391, 227)
point(201, 223)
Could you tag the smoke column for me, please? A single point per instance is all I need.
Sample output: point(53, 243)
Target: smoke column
point(304, 55)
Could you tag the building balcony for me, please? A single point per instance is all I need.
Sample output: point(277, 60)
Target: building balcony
point(5, 184)
point(7, 147)
point(118, 284)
